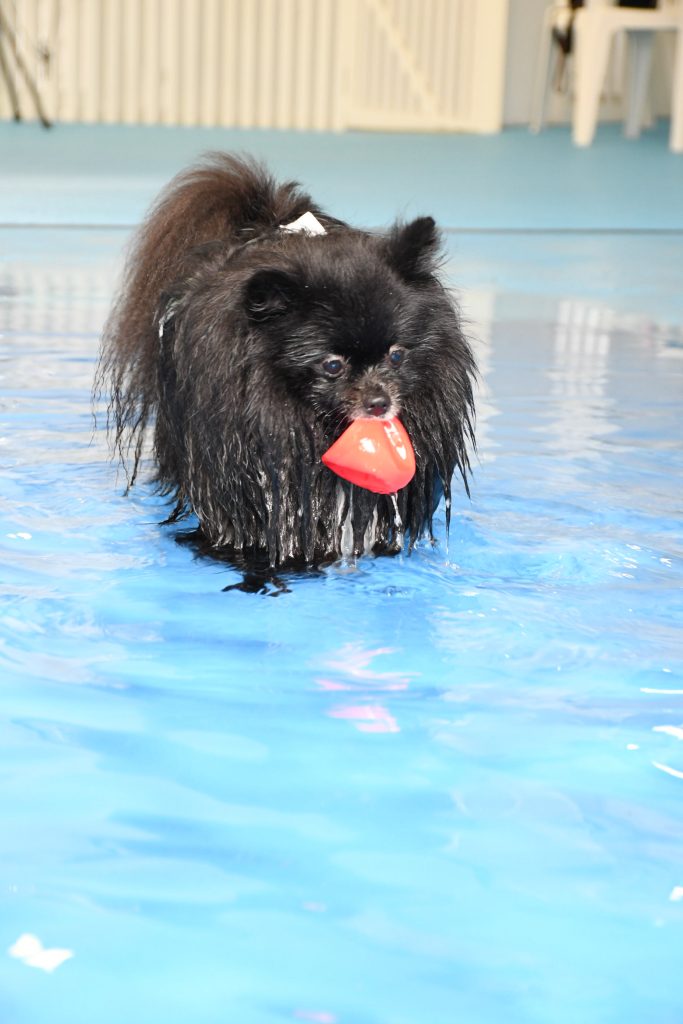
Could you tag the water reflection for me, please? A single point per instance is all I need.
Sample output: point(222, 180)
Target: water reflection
point(580, 413)
point(50, 297)
point(668, 770)
point(353, 669)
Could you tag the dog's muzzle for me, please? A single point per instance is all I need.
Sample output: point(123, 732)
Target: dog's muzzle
point(373, 398)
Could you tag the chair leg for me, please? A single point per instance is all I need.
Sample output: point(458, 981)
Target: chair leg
point(544, 66)
point(592, 38)
point(676, 138)
point(641, 45)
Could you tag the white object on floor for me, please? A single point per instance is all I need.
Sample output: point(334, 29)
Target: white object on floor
point(31, 951)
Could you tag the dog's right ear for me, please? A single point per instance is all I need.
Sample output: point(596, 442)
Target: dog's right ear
point(270, 294)
point(413, 249)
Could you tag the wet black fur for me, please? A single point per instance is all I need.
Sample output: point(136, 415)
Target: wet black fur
point(217, 344)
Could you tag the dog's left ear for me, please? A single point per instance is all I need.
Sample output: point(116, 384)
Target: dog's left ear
point(270, 293)
point(413, 249)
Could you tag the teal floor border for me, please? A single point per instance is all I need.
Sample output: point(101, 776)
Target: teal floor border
point(107, 175)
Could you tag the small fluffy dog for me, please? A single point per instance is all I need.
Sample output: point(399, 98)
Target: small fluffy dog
point(248, 346)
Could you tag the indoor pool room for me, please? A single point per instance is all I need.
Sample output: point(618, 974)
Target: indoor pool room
point(282, 744)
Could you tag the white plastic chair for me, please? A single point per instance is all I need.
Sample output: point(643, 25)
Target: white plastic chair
point(595, 26)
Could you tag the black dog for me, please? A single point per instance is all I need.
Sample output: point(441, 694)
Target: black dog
point(250, 345)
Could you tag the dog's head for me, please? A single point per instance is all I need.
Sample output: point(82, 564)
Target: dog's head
point(270, 348)
point(356, 325)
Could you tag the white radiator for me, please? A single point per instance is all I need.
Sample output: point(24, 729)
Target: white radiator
point(307, 64)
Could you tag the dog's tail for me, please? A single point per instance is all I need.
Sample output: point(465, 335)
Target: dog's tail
point(223, 198)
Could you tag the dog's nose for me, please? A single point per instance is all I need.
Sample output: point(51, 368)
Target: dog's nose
point(378, 405)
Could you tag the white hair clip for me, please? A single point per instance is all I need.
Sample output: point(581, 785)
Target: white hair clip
point(306, 223)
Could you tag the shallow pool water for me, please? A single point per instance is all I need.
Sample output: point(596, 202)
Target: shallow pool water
point(432, 789)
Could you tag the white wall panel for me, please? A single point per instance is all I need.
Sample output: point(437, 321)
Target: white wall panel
point(307, 64)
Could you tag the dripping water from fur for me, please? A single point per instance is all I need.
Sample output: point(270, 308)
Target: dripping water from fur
point(448, 530)
point(399, 532)
point(346, 542)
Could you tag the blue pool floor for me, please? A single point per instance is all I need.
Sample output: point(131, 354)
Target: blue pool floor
point(108, 175)
point(432, 789)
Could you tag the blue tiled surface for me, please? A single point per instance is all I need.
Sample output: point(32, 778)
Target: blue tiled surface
point(77, 174)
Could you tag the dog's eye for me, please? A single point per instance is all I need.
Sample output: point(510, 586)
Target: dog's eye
point(333, 366)
point(396, 356)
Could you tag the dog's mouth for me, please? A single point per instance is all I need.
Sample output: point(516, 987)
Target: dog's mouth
point(373, 454)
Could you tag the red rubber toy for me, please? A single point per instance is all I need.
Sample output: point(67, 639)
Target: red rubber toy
point(374, 454)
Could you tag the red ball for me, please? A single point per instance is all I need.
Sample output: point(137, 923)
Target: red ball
point(374, 454)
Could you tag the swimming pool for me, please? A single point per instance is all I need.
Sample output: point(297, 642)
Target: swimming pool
point(433, 789)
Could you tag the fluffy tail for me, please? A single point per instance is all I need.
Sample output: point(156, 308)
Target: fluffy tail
point(223, 199)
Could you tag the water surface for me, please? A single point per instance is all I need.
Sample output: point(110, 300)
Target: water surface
point(430, 789)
